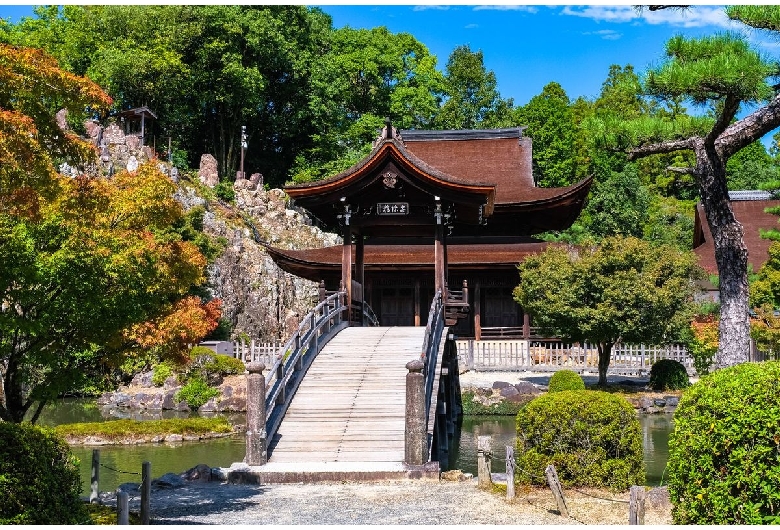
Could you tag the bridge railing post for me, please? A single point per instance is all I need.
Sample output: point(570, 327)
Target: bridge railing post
point(416, 431)
point(256, 453)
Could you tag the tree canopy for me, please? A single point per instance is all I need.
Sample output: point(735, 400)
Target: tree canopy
point(624, 290)
point(87, 260)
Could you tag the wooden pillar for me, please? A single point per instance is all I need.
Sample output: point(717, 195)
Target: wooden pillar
point(143, 128)
point(346, 258)
point(417, 316)
point(438, 251)
point(360, 273)
point(477, 310)
point(446, 271)
point(526, 325)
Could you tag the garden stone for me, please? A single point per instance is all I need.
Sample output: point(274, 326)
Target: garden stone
point(143, 379)
point(171, 382)
point(500, 384)
point(209, 406)
point(199, 473)
point(659, 402)
point(174, 438)
point(645, 403)
point(526, 387)
point(227, 391)
point(508, 391)
point(671, 401)
point(105, 399)
point(168, 403)
point(233, 404)
point(208, 171)
point(121, 399)
point(168, 481)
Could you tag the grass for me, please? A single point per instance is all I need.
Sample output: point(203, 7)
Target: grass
point(106, 515)
point(119, 429)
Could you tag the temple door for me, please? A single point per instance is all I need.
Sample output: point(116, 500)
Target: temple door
point(397, 306)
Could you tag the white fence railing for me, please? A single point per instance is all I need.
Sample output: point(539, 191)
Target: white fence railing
point(525, 355)
point(254, 351)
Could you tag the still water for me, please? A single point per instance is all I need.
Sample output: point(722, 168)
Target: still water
point(122, 463)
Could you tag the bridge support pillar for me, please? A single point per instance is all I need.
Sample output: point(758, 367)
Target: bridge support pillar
point(416, 432)
point(256, 446)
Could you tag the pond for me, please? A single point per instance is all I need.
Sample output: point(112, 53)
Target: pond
point(121, 462)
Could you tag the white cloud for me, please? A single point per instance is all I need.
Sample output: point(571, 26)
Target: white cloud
point(431, 6)
point(471, 26)
point(606, 34)
point(527, 9)
point(695, 16)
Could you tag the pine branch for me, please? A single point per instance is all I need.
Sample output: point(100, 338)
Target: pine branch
point(681, 170)
point(661, 147)
point(750, 128)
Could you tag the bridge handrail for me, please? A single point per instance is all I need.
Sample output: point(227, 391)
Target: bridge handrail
point(368, 311)
point(283, 378)
point(430, 348)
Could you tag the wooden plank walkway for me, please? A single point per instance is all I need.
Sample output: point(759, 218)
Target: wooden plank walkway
point(351, 403)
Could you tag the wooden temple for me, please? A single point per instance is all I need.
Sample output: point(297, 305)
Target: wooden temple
point(434, 210)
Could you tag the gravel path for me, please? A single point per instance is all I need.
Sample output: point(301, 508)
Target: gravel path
point(390, 502)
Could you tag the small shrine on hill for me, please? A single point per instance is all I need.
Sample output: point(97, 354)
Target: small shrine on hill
point(454, 211)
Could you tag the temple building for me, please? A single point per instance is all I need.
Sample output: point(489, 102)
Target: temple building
point(454, 211)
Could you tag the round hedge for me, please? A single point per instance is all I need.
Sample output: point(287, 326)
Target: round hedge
point(565, 380)
point(39, 478)
point(724, 452)
point(592, 438)
point(668, 374)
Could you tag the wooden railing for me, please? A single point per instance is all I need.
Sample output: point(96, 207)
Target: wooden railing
point(295, 357)
point(545, 356)
point(430, 349)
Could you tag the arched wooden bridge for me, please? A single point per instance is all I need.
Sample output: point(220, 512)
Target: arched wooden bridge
point(363, 402)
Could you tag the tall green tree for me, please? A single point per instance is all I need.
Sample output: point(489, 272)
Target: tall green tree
point(473, 100)
point(723, 72)
point(624, 290)
point(548, 117)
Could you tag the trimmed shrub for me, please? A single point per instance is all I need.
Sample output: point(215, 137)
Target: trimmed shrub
point(592, 438)
point(39, 478)
point(565, 380)
point(668, 374)
point(724, 452)
point(224, 365)
point(196, 393)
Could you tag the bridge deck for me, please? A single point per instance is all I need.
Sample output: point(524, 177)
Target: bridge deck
point(350, 405)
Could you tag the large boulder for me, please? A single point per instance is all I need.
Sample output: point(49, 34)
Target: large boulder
point(208, 171)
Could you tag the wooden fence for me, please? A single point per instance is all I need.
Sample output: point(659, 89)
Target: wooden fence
point(254, 351)
point(524, 355)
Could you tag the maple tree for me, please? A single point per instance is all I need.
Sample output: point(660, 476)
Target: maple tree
point(92, 267)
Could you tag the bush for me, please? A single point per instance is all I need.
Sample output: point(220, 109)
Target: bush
point(565, 380)
point(196, 393)
point(224, 365)
point(224, 190)
point(206, 364)
point(592, 438)
point(39, 478)
point(724, 452)
point(161, 373)
point(668, 374)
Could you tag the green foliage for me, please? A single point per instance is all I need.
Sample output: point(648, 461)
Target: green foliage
point(565, 380)
point(724, 463)
point(765, 289)
point(161, 373)
point(39, 478)
point(550, 123)
point(473, 100)
point(471, 407)
point(196, 393)
point(625, 289)
point(122, 429)
point(618, 206)
point(668, 374)
point(224, 190)
point(592, 438)
point(670, 222)
point(751, 168)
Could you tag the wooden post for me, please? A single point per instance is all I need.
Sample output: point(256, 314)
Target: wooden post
point(146, 492)
point(465, 291)
point(417, 317)
point(555, 486)
point(510, 472)
point(483, 461)
point(526, 326)
point(360, 274)
point(416, 431)
point(122, 508)
point(322, 294)
point(346, 259)
point(477, 313)
point(636, 505)
point(256, 454)
point(438, 252)
point(95, 490)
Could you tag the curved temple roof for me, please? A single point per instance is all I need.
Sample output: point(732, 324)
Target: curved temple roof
point(492, 168)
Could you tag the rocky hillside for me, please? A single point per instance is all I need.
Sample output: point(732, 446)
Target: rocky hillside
point(260, 300)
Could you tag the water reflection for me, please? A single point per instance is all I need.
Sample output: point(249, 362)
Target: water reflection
point(655, 437)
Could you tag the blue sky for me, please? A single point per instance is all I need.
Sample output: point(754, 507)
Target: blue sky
point(528, 46)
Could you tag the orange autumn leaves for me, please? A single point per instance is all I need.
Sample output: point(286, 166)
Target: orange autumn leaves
point(125, 221)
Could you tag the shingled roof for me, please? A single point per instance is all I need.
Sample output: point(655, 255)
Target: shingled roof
point(748, 207)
